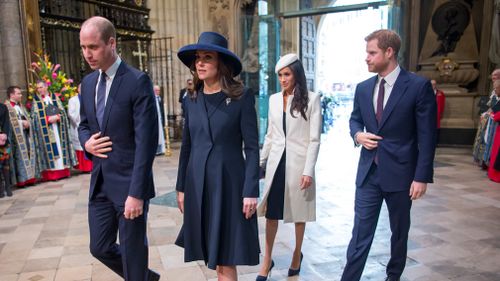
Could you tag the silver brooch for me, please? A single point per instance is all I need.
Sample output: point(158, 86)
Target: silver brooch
point(228, 100)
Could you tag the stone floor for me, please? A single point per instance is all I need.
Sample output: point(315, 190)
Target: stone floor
point(455, 233)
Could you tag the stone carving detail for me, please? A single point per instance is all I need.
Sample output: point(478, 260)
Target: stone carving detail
point(449, 54)
point(446, 66)
point(449, 22)
point(245, 3)
point(219, 12)
point(251, 53)
point(495, 36)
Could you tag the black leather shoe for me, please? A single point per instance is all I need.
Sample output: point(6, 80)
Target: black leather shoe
point(392, 278)
point(293, 272)
point(264, 278)
point(153, 276)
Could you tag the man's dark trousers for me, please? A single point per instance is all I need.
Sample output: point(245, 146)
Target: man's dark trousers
point(129, 259)
point(368, 202)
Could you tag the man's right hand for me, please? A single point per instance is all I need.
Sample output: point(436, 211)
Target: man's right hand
point(54, 118)
point(98, 145)
point(368, 140)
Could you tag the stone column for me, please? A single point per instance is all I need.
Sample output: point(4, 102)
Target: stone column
point(12, 61)
point(290, 33)
point(183, 21)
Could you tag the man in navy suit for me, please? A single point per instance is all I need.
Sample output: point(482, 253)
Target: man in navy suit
point(394, 119)
point(119, 131)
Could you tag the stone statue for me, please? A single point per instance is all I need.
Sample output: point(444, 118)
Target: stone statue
point(495, 36)
point(219, 11)
point(250, 58)
point(449, 22)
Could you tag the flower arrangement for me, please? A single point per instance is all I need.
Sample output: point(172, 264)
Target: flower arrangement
point(56, 80)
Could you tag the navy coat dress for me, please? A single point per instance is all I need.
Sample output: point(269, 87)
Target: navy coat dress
point(218, 167)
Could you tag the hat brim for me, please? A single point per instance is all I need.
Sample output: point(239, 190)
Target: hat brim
point(187, 55)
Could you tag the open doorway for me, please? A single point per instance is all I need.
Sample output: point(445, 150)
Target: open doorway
point(340, 60)
point(340, 66)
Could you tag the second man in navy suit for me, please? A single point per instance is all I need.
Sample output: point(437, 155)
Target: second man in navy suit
point(394, 119)
point(119, 132)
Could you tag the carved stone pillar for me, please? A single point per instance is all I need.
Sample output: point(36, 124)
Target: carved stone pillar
point(220, 18)
point(12, 61)
point(290, 35)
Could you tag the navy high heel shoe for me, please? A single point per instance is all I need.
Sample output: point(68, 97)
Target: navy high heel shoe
point(293, 272)
point(264, 278)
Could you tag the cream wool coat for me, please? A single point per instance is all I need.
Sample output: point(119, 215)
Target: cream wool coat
point(302, 146)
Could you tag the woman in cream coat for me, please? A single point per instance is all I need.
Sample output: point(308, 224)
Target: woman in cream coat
point(289, 155)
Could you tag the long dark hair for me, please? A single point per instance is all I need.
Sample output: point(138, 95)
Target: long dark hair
point(300, 92)
point(230, 86)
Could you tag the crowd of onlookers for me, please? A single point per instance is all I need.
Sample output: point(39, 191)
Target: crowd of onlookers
point(487, 141)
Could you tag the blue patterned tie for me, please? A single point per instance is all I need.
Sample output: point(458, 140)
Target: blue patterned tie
point(101, 99)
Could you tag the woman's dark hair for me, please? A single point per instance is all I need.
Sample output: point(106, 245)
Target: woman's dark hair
point(230, 86)
point(300, 92)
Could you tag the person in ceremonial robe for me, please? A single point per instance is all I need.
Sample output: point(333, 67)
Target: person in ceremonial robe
point(485, 129)
point(23, 160)
point(51, 128)
point(84, 164)
point(161, 121)
point(494, 166)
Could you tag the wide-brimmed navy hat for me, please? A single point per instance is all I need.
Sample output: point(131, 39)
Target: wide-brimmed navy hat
point(210, 41)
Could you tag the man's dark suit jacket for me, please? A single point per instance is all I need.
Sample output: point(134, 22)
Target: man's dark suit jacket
point(4, 121)
point(408, 129)
point(131, 122)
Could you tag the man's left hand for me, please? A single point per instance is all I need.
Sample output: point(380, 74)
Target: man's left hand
point(417, 189)
point(133, 207)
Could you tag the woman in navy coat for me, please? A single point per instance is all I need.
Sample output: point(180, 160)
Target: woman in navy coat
point(218, 178)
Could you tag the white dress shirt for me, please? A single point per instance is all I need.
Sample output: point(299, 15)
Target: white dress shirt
point(390, 80)
point(110, 75)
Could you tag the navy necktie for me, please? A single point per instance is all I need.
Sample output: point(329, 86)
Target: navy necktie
point(380, 101)
point(101, 99)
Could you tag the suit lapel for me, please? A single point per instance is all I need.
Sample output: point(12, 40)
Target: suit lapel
point(112, 93)
point(91, 92)
point(397, 92)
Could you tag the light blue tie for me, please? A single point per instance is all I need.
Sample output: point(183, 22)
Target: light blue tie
point(101, 99)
